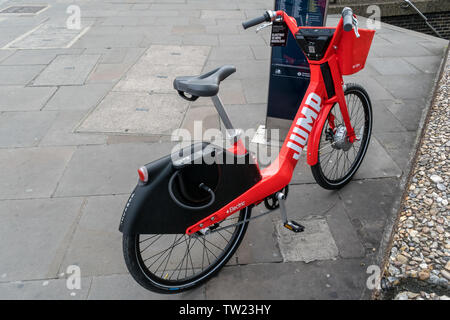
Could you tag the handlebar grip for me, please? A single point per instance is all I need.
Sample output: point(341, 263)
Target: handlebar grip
point(256, 21)
point(347, 15)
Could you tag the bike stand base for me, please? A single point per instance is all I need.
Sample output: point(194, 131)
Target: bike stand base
point(294, 226)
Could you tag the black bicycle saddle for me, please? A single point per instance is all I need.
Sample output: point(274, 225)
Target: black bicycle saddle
point(204, 85)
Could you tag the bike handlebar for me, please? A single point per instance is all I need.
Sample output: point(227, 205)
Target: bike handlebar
point(255, 21)
point(347, 16)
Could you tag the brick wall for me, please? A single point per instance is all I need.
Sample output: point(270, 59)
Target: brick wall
point(440, 21)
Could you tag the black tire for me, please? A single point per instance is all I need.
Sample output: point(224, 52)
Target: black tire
point(151, 281)
point(332, 179)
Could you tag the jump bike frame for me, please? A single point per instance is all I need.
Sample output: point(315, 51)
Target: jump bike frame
point(324, 91)
point(172, 223)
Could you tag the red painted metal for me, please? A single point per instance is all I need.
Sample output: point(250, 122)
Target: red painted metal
point(308, 122)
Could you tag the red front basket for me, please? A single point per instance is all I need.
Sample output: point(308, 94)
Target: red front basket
point(352, 52)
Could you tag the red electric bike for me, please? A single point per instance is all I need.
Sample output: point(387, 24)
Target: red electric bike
point(190, 210)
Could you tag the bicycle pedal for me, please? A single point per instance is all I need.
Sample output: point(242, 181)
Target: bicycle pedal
point(294, 226)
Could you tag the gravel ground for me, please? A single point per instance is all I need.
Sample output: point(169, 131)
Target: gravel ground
point(419, 259)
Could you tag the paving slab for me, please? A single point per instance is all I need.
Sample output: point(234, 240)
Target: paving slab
point(148, 77)
point(255, 91)
point(62, 131)
point(10, 32)
point(52, 289)
point(248, 71)
point(108, 169)
point(291, 281)
point(377, 164)
point(123, 287)
point(47, 36)
point(19, 75)
point(108, 73)
point(223, 29)
point(157, 68)
point(314, 243)
point(113, 64)
point(189, 29)
point(160, 39)
point(21, 21)
point(309, 200)
point(136, 112)
point(222, 14)
point(96, 246)
point(67, 70)
point(248, 116)
point(121, 40)
point(260, 243)
point(19, 98)
point(375, 87)
point(40, 228)
point(200, 119)
point(261, 52)
point(37, 56)
point(232, 95)
point(77, 98)
point(428, 64)
point(24, 129)
point(200, 39)
point(243, 39)
point(231, 53)
point(407, 111)
point(32, 172)
point(399, 145)
point(384, 120)
point(368, 204)
point(139, 48)
point(5, 54)
point(417, 88)
point(116, 55)
point(177, 55)
point(344, 233)
point(393, 66)
point(436, 47)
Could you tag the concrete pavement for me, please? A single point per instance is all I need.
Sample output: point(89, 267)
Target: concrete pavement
point(81, 110)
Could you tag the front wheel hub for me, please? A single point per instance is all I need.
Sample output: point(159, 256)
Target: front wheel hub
point(341, 140)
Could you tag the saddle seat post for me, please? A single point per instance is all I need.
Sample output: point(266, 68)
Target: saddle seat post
point(232, 133)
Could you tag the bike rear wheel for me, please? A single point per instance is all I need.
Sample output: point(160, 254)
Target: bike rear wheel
point(172, 263)
point(338, 158)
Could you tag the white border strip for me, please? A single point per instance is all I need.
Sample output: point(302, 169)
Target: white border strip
point(46, 6)
point(7, 46)
point(82, 33)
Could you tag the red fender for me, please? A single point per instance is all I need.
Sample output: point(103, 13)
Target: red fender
point(314, 137)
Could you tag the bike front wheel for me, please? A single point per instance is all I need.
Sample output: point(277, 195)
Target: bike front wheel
point(172, 263)
point(338, 158)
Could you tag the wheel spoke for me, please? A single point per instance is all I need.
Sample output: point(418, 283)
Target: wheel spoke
point(180, 258)
point(336, 157)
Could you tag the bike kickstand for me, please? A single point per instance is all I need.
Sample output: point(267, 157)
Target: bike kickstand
point(288, 224)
